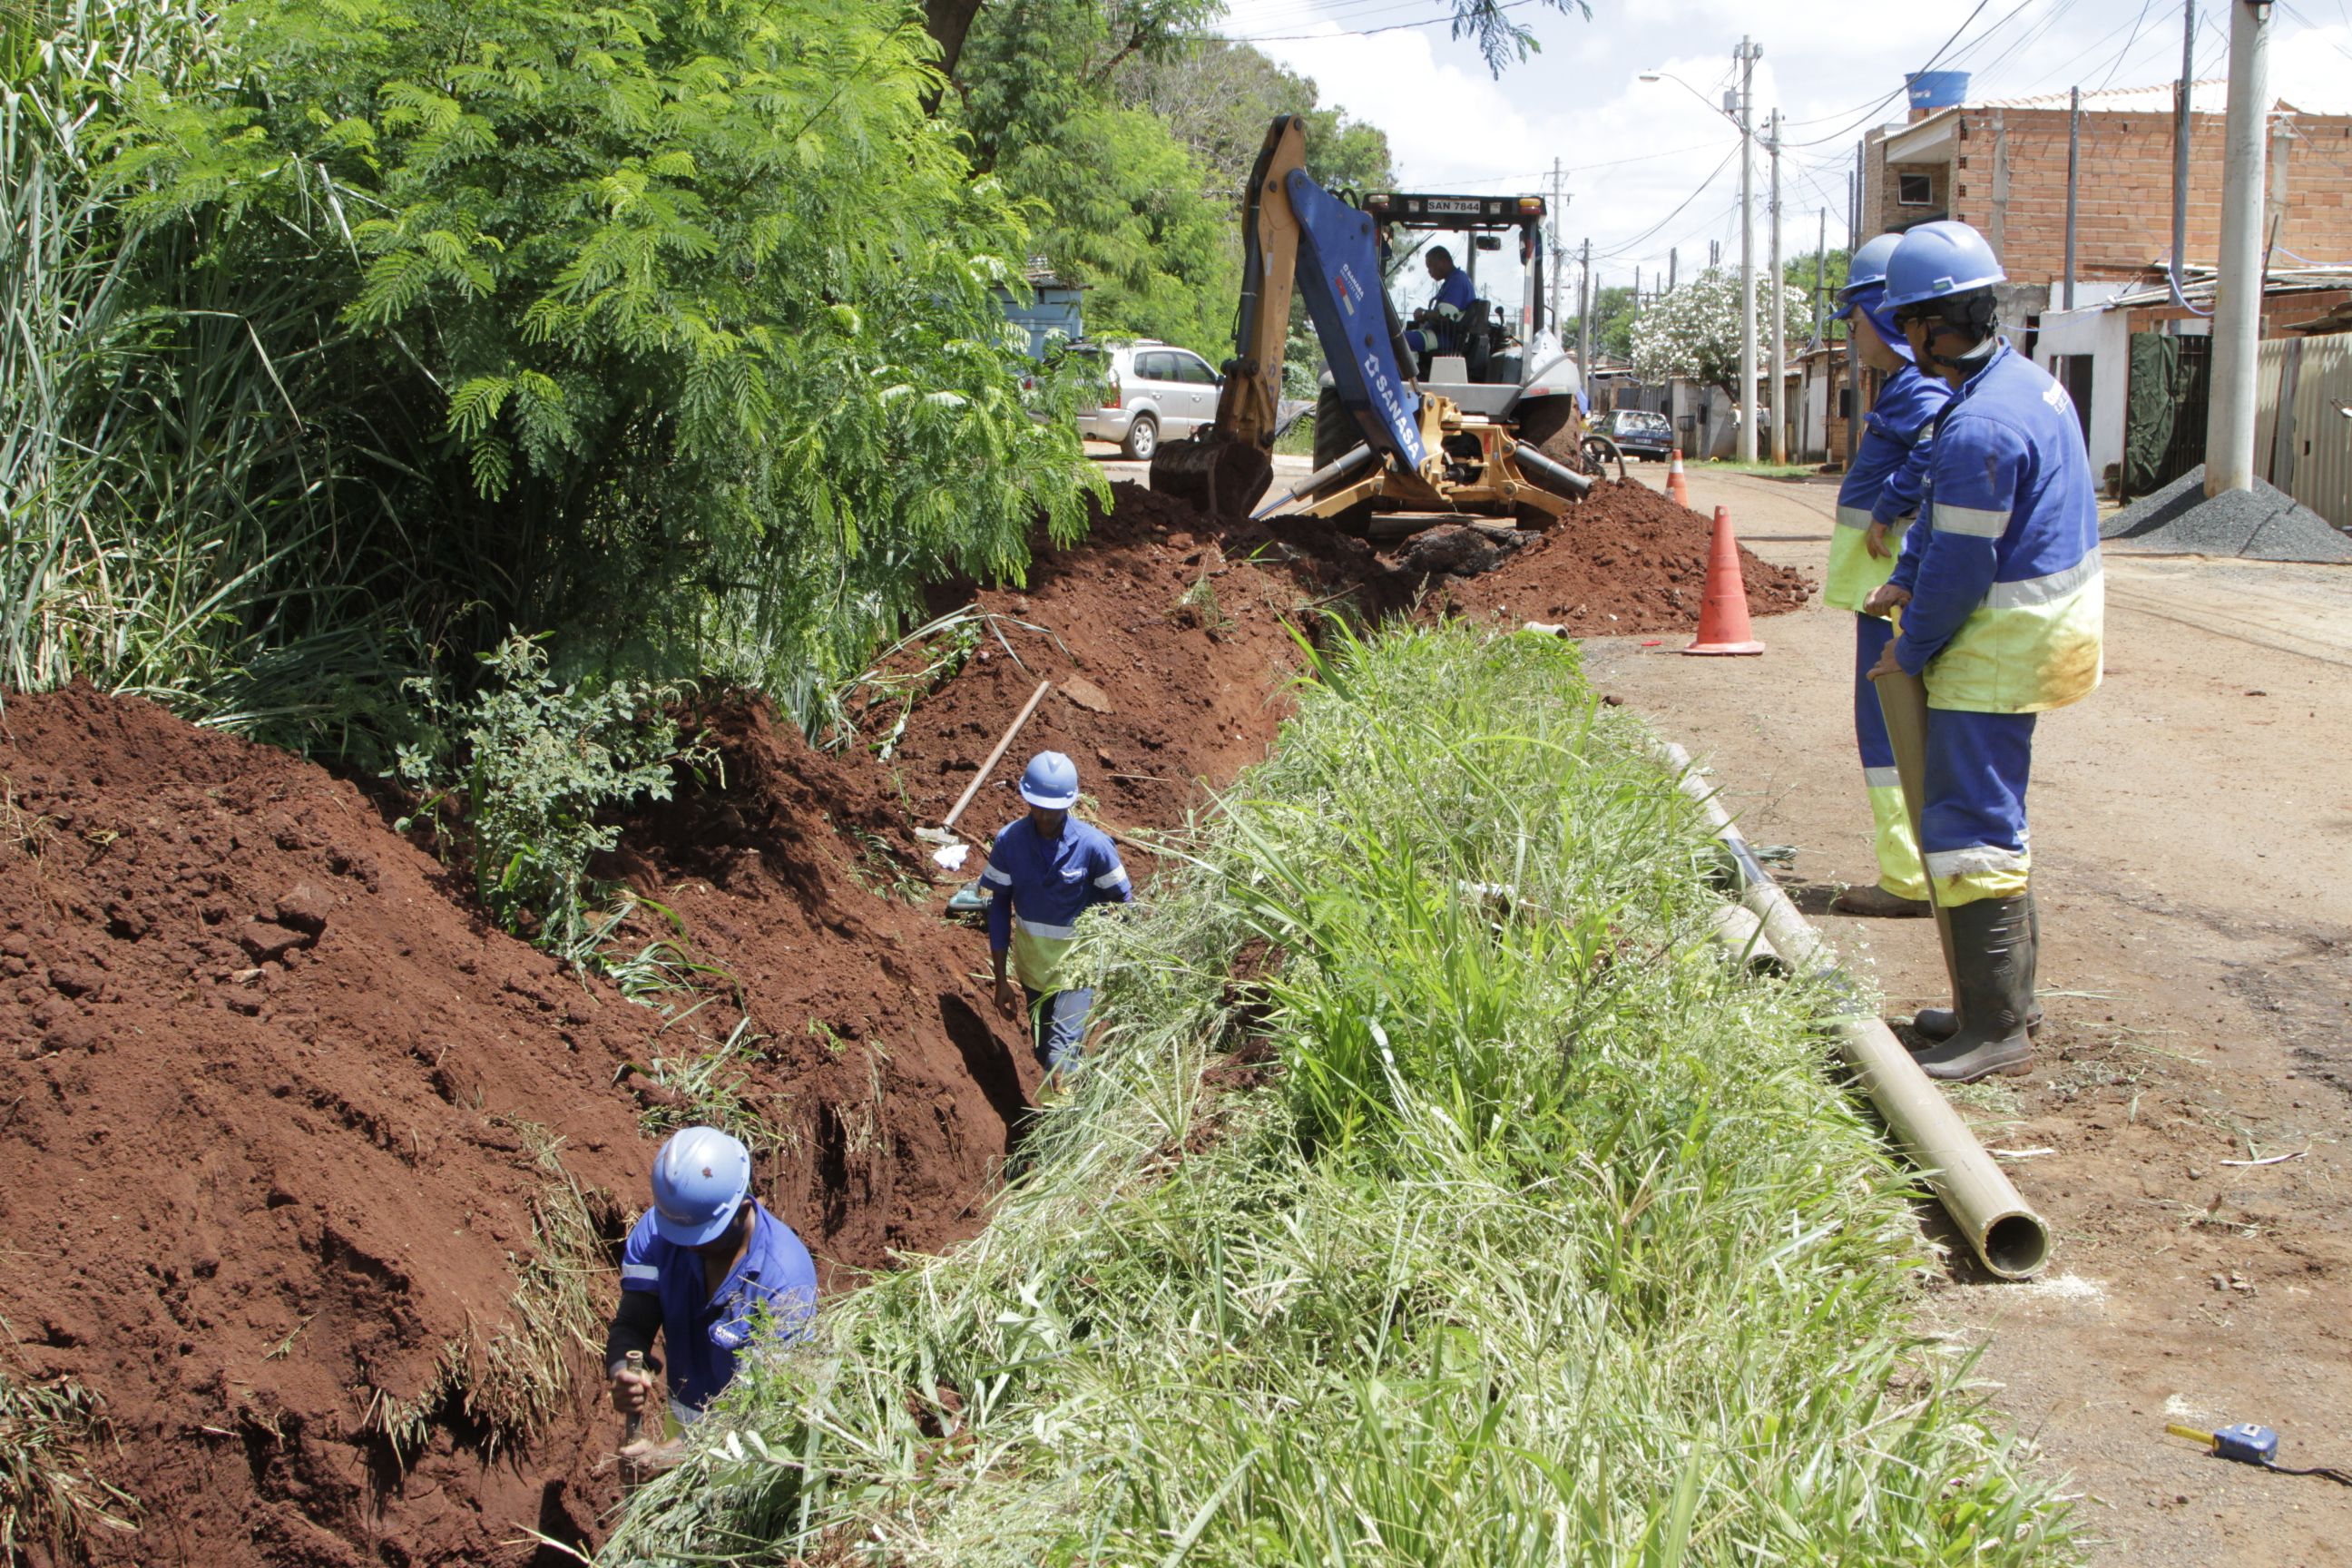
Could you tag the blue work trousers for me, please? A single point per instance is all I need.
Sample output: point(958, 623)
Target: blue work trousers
point(1972, 825)
point(1058, 1025)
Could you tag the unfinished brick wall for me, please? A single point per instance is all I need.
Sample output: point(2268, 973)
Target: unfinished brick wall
point(2008, 177)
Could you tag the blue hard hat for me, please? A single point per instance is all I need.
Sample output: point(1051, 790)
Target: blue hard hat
point(700, 1178)
point(1937, 260)
point(1866, 271)
point(1050, 782)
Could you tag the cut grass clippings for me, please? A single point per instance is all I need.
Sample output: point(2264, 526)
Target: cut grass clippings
point(1550, 1240)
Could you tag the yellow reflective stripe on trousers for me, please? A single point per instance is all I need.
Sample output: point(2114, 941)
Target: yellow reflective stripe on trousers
point(2030, 647)
point(1981, 871)
point(1854, 572)
point(1899, 870)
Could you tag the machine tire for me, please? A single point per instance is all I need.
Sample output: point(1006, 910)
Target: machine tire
point(1142, 438)
point(1335, 431)
point(1599, 453)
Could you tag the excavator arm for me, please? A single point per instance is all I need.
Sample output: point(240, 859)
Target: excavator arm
point(1417, 449)
point(1296, 235)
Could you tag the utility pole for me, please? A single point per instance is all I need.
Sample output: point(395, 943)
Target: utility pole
point(1713, 254)
point(1820, 271)
point(2238, 296)
point(1584, 321)
point(1555, 256)
point(2074, 162)
point(2180, 106)
point(1748, 52)
point(1779, 357)
point(1674, 263)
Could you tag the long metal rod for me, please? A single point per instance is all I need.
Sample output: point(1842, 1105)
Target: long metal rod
point(997, 755)
point(2001, 1228)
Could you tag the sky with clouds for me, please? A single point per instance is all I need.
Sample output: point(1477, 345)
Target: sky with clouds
point(1651, 166)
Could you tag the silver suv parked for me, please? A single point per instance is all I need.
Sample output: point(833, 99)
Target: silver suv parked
point(1152, 392)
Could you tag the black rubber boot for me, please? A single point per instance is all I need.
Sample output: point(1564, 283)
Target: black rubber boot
point(1993, 957)
point(1937, 1023)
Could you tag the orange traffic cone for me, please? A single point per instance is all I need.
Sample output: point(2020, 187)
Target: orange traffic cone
point(1723, 615)
point(1677, 491)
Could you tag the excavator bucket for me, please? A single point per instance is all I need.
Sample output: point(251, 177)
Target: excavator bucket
point(1215, 471)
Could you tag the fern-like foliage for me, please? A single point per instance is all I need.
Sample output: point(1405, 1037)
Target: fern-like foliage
point(665, 324)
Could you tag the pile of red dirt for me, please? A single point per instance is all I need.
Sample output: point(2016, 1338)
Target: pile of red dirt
point(286, 1103)
point(1624, 560)
point(1164, 636)
point(283, 1100)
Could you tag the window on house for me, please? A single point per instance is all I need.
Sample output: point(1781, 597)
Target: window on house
point(1914, 190)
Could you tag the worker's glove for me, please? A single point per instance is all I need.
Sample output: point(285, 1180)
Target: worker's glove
point(632, 1391)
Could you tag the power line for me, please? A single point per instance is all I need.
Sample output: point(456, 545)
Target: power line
point(1652, 231)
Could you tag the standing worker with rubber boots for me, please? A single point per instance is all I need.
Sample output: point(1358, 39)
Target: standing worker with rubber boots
point(2001, 603)
point(1875, 505)
point(1046, 870)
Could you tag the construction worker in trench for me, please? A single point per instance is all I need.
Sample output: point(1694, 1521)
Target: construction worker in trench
point(2001, 602)
point(1043, 872)
point(1876, 507)
point(711, 1270)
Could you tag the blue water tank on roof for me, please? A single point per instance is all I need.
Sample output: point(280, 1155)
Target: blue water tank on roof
point(1936, 89)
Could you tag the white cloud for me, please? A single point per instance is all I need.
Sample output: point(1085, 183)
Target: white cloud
point(1635, 151)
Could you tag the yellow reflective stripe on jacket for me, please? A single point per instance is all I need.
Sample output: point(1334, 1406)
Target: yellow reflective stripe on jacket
point(1040, 952)
point(2031, 646)
point(1854, 572)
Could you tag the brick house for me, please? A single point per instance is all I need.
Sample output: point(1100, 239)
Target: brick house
point(2000, 165)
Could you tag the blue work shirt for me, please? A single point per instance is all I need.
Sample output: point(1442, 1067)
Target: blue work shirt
point(1889, 473)
point(703, 1331)
point(2002, 566)
point(1040, 887)
point(1455, 293)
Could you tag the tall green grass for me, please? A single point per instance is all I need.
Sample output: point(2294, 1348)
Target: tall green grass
point(1550, 1242)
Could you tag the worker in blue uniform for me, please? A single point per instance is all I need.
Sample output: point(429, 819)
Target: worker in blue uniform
point(1874, 509)
point(711, 1270)
point(1043, 872)
point(1438, 324)
point(2001, 601)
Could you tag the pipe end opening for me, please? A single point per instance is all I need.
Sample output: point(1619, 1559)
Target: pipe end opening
point(2016, 1245)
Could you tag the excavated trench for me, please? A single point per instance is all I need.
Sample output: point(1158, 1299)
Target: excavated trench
point(303, 1154)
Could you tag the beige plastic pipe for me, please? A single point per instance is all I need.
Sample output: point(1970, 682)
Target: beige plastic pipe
point(2010, 1239)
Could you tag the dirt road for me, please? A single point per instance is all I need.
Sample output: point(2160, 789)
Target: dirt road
point(2190, 821)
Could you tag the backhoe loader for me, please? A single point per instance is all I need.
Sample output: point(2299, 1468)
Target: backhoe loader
point(1431, 449)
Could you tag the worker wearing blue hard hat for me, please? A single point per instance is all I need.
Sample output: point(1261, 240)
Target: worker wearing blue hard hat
point(2002, 602)
point(711, 1270)
point(1874, 509)
point(1044, 871)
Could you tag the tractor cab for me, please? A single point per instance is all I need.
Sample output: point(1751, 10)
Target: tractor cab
point(1508, 362)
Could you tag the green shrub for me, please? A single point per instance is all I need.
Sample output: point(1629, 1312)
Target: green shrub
point(372, 328)
point(542, 760)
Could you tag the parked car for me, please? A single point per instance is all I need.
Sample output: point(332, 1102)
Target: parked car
point(1640, 433)
point(1152, 392)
